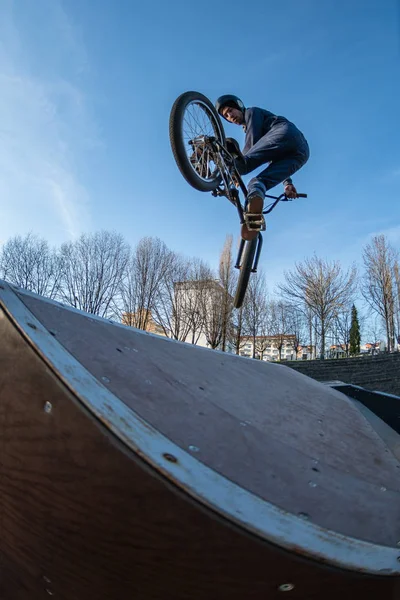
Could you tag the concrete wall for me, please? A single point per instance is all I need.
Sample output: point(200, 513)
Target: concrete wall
point(381, 372)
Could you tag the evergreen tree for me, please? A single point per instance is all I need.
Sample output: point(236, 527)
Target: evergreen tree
point(354, 332)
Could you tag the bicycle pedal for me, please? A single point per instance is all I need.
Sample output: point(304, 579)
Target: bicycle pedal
point(257, 224)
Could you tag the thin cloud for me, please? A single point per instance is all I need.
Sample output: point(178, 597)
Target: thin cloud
point(389, 175)
point(71, 35)
point(44, 128)
point(391, 233)
point(395, 173)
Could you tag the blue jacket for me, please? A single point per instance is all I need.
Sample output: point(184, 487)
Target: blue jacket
point(258, 122)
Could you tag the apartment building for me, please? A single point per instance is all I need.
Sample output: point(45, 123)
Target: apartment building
point(143, 319)
point(270, 347)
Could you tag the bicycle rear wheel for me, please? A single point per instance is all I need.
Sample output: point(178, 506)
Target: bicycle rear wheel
point(245, 271)
point(193, 117)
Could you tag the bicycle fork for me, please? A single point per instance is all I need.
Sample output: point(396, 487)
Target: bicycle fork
point(235, 195)
point(256, 256)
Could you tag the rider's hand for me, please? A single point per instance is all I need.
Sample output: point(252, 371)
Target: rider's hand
point(290, 191)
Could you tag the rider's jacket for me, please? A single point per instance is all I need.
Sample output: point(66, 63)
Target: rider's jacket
point(259, 121)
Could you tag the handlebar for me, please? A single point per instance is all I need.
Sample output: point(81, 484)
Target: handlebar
point(280, 198)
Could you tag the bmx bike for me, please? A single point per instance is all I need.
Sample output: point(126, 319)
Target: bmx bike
point(200, 150)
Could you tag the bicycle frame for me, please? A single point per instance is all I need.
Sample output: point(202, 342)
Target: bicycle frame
point(229, 174)
point(212, 166)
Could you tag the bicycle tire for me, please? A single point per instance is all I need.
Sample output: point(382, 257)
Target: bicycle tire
point(177, 144)
point(245, 272)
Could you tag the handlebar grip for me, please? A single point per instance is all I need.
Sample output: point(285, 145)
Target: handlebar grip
point(302, 195)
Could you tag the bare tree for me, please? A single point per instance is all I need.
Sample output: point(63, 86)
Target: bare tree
point(191, 295)
point(312, 331)
point(238, 332)
point(180, 300)
point(263, 339)
point(396, 275)
point(171, 301)
point(341, 326)
point(297, 327)
point(301, 326)
point(374, 331)
point(147, 267)
point(378, 286)
point(92, 269)
point(212, 299)
point(29, 263)
point(322, 287)
point(280, 324)
point(256, 307)
point(227, 276)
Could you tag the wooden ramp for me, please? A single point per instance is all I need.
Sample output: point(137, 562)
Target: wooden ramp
point(132, 466)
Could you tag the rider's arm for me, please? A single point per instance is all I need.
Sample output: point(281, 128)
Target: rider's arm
point(254, 127)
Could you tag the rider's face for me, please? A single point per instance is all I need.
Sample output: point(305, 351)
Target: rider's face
point(233, 115)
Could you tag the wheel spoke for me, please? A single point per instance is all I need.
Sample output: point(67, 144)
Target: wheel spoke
point(199, 122)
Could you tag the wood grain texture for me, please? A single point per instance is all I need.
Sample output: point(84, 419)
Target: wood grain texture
point(81, 518)
point(265, 427)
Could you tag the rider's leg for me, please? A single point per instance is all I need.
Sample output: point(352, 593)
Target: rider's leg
point(282, 140)
point(277, 172)
point(280, 169)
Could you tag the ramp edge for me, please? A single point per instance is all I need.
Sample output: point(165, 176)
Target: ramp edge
point(211, 489)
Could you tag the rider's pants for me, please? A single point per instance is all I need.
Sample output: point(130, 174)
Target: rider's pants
point(284, 147)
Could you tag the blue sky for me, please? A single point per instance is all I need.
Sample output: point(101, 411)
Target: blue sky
point(86, 92)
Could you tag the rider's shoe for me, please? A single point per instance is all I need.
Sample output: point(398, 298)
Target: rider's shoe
point(254, 219)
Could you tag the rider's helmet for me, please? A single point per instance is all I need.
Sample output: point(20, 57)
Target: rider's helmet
point(229, 100)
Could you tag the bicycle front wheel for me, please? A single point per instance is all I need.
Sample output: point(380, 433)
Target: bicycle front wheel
point(192, 118)
point(245, 272)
